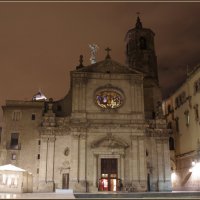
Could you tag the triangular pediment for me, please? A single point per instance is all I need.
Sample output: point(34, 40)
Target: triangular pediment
point(110, 141)
point(108, 66)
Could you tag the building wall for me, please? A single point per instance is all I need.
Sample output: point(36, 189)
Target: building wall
point(28, 149)
point(188, 136)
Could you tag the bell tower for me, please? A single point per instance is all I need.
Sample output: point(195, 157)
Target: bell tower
point(140, 51)
point(141, 56)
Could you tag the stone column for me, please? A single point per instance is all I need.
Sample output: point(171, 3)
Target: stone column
point(95, 170)
point(122, 168)
point(82, 157)
point(132, 95)
point(142, 96)
point(153, 164)
point(75, 94)
point(75, 158)
point(137, 97)
point(167, 166)
point(43, 159)
point(160, 155)
point(50, 159)
point(135, 173)
point(83, 89)
point(142, 160)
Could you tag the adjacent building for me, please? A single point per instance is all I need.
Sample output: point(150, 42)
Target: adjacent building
point(107, 134)
point(182, 112)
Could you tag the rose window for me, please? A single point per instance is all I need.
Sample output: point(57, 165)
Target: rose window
point(109, 99)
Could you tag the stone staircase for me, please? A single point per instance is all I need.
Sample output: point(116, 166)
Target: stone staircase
point(64, 191)
point(145, 195)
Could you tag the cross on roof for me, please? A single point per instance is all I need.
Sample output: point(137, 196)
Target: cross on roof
point(108, 50)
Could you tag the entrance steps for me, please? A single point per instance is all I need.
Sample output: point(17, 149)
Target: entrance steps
point(138, 195)
point(64, 191)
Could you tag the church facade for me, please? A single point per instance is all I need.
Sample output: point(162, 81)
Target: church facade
point(107, 134)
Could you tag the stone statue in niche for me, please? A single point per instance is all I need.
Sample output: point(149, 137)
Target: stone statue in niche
point(66, 151)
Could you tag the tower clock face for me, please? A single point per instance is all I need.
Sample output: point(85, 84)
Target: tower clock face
point(108, 99)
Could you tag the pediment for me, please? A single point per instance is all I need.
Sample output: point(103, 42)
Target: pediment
point(110, 141)
point(108, 66)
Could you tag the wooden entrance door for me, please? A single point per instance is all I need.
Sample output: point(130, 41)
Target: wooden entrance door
point(65, 181)
point(109, 174)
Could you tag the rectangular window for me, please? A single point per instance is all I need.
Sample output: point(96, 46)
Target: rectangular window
point(196, 86)
point(38, 156)
point(177, 124)
point(16, 115)
point(14, 139)
point(39, 142)
point(196, 111)
point(14, 156)
point(187, 117)
point(33, 117)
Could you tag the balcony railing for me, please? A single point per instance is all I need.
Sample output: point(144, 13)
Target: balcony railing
point(13, 147)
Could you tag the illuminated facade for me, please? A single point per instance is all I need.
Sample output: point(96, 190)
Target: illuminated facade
point(182, 112)
point(107, 134)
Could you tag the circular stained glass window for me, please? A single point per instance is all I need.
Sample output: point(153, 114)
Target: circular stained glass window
point(109, 99)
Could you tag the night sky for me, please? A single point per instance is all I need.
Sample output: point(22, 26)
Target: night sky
point(41, 42)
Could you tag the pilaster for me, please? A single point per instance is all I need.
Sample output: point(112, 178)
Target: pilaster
point(142, 160)
point(135, 167)
point(122, 167)
point(50, 158)
point(75, 158)
point(82, 157)
point(43, 159)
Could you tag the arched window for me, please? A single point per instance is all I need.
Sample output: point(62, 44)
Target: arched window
point(171, 143)
point(143, 43)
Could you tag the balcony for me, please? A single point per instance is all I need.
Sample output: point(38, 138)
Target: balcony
point(10, 146)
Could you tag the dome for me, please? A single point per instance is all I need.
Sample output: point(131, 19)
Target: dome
point(39, 97)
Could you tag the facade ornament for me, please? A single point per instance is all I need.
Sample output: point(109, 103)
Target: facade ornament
point(138, 24)
point(66, 151)
point(65, 166)
point(110, 141)
point(108, 50)
point(81, 62)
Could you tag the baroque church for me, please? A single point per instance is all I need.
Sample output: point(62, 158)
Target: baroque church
point(107, 134)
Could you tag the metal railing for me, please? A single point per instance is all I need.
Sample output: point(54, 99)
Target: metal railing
point(10, 146)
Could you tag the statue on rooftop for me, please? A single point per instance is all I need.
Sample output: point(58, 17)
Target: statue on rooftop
point(94, 48)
